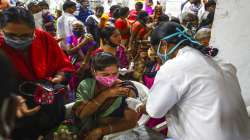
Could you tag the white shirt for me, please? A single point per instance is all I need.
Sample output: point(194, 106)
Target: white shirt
point(64, 27)
point(200, 98)
point(189, 8)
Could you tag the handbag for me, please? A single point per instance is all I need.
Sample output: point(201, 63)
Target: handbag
point(43, 93)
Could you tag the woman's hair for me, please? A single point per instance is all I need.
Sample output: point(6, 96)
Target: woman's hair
point(175, 19)
point(78, 22)
point(16, 15)
point(142, 16)
point(202, 33)
point(123, 11)
point(188, 17)
point(43, 3)
point(106, 33)
point(99, 8)
point(170, 28)
point(210, 3)
point(116, 13)
point(103, 60)
point(209, 20)
point(114, 8)
point(163, 18)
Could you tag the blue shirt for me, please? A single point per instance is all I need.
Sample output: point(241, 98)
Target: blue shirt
point(83, 14)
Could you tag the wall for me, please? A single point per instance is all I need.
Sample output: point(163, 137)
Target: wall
point(231, 34)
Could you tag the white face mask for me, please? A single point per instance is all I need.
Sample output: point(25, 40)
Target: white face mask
point(38, 15)
point(45, 11)
point(38, 19)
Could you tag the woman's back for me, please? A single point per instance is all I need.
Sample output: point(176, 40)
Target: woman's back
point(208, 98)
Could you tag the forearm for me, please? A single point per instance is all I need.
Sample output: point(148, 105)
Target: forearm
point(76, 48)
point(92, 106)
point(118, 126)
point(73, 50)
point(84, 63)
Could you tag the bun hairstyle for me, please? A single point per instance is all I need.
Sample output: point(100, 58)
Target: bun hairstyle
point(174, 33)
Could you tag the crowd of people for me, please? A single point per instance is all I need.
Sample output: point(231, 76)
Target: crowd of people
point(92, 59)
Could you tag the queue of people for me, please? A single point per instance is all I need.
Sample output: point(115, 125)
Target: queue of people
point(92, 60)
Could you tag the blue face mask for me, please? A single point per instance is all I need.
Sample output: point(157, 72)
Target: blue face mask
point(167, 55)
point(19, 44)
point(78, 33)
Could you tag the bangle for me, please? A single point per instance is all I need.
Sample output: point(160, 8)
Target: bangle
point(110, 128)
point(138, 110)
point(98, 104)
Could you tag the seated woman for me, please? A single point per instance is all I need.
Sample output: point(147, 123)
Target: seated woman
point(79, 46)
point(101, 105)
point(35, 56)
point(79, 43)
point(111, 42)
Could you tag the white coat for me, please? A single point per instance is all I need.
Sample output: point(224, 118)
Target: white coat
point(200, 98)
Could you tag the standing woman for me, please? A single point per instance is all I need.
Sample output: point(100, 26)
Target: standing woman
point(139, 31)
point(122, 25)
point(200, 97)
point(158, 11)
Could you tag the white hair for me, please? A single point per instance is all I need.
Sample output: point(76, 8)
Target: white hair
point(203, 33)
point(77, 22)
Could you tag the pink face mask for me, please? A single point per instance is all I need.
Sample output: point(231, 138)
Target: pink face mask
point(107, 81)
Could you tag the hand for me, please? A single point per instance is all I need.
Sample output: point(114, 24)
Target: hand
point(64, 134)
point(58, 79)
point(134, 104)
point(88, 38)
point(95, 134)
point(116, 91)
point(22, 109)
point(59, 39)
point(78, 108)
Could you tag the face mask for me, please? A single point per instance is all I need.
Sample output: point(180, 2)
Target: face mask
point(107, 81)
point(38, 15)
point(167, 55)
point(78, 33)
point(45, 11)
point(76, 13)
point(19, 44)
